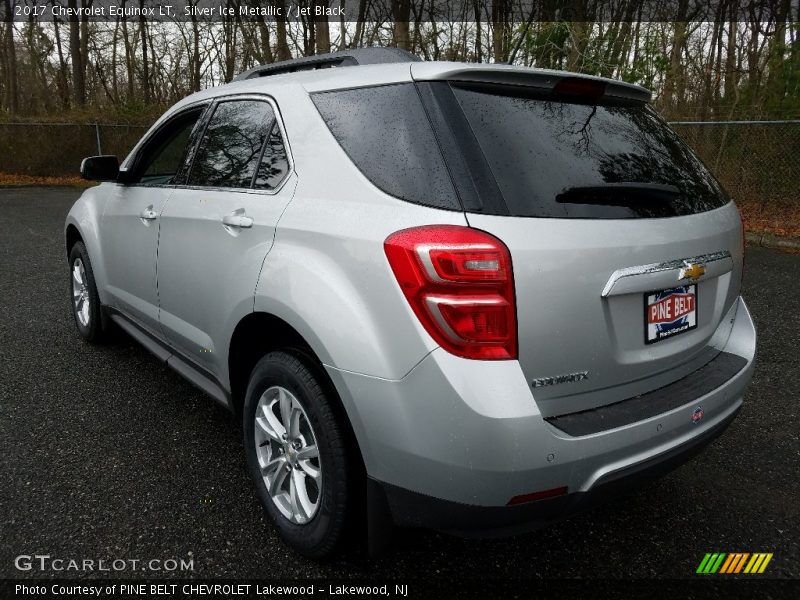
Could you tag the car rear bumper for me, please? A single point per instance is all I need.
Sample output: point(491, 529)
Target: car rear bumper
point(412, 509)
point(451, 446)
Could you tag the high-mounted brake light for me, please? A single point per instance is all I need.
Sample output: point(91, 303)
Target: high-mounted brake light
point(580, 86)
point(460, 286)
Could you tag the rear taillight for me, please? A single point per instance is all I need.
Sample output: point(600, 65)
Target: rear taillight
point(460, 285)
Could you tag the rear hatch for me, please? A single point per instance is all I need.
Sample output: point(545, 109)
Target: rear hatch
point(626, 251)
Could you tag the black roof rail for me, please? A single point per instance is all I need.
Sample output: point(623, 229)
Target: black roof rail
point(345, 58)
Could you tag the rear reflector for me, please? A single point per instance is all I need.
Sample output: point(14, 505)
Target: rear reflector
point(460, 286)
point(532, 497)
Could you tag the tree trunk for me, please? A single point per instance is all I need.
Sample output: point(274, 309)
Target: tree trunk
point(63, 85)
point(359, 33)
point(323, 35)
point(145, 63)
point(280, 26)
point(11, 53)
point(675, 72)
point(500, 10)
point(401, 11)
point(78, 79)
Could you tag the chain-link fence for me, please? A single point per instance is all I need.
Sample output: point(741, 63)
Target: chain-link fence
point(56, 149)
point(756, 161)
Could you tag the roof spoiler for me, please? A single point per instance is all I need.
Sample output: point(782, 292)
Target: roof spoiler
point(561, 82)
point(345, 58)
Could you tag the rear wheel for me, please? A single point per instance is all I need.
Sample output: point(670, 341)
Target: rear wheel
point(296, 454)
point(86, 307)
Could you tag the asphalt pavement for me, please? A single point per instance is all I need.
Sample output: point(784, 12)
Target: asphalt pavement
point(107, 453)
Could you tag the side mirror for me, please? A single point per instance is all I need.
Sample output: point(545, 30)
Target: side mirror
point(100, 168)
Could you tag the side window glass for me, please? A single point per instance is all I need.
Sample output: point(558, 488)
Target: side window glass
point(162, 156)
point(229, 152)
point(274, 163)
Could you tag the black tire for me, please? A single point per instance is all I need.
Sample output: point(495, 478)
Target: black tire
point(321, 535)
point(94, 331)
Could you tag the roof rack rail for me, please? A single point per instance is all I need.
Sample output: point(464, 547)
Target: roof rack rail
point(345, 58)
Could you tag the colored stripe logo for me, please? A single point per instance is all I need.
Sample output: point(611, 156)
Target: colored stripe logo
point(734, 562)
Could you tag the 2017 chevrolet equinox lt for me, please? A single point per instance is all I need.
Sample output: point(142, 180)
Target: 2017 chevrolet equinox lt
point(461, 296)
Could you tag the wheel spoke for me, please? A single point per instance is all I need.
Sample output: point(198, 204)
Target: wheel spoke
point(270, 468)
point(267, 427)
point(286, 408)
point(77, 275)
point(85, 312)
point(308, 452)
point(273, 422)
point(301, 504)
point(294, 422)
point(310, 470)
point(276, 483)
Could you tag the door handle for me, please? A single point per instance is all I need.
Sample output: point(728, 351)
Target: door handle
point(148, 214)
point(237, 220)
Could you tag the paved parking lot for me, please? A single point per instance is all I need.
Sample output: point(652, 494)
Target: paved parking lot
point(106, 453)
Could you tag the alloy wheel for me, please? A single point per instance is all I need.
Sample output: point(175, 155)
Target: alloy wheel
point(287, 453)
point(80, 293)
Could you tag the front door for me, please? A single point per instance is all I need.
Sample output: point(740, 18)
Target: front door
point(131, 220)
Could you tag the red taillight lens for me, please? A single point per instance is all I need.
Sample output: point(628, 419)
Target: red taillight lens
point(460, 285)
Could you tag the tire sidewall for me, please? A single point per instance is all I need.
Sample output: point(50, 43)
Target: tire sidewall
point(321, 533)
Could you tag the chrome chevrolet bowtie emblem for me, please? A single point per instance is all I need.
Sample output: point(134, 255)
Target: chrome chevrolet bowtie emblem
point(691, 271)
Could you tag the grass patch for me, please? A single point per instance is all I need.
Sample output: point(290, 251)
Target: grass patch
point(16, 180)
point(776, 218)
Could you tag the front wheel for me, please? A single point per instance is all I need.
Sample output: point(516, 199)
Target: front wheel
point(296, 454)
point(86, 307)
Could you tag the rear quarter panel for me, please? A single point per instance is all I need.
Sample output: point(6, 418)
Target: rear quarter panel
point(327, 274)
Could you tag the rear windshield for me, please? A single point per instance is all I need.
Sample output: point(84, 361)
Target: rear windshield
point(554, 158)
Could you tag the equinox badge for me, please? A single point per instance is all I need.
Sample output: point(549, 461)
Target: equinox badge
point(568, 378)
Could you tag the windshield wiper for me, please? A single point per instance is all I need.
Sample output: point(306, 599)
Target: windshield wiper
point(618, 194)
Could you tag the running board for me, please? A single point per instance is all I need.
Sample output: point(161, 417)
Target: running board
point(184, 367)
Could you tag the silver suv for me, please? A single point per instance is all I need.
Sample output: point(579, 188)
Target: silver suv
point(467, 297)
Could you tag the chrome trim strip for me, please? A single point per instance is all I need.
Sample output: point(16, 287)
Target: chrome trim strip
point(660, 267)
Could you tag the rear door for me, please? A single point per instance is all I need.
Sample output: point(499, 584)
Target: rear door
point(219, 225)
point(626, 252)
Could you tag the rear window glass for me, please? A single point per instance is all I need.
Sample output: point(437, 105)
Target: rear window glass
point(385, 132)
point(558, 159)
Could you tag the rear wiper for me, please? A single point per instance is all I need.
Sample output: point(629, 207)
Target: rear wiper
point(618, 194)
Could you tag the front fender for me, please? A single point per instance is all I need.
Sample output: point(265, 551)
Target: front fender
point(85, 215)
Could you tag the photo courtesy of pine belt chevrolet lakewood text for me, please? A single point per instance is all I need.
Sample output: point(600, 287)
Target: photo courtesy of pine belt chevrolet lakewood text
point(468, 297)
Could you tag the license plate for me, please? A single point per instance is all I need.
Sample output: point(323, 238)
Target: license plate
point(669, 313)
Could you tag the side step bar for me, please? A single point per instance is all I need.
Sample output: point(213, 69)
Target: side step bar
point(194, 374)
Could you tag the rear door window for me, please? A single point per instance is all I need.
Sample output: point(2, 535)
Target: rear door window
point(386, 133)
point(554, 158)
point(230, 150)
point(274, 164)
